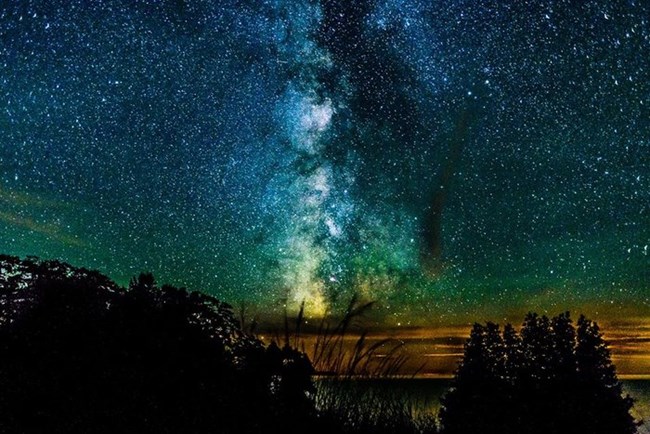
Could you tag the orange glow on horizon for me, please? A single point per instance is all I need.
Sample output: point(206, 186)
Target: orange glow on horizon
point(437, 350)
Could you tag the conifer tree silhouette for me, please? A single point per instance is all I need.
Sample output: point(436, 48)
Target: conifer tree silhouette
point(550, 378)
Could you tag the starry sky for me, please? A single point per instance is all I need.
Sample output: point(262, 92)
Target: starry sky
point(450, 159)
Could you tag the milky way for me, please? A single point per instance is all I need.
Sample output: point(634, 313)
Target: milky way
point(445, 158)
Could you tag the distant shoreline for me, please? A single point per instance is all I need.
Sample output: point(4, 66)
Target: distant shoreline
point(445, 377)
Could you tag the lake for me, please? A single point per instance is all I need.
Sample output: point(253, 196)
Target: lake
point(423, 394)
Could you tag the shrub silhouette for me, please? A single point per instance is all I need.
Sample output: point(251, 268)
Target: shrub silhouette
point(80, 354)
point(549, 378)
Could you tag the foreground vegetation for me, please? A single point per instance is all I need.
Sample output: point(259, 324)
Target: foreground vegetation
point(80, 354)
point(550, 377)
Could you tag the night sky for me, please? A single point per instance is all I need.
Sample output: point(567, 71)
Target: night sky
point(450, 159)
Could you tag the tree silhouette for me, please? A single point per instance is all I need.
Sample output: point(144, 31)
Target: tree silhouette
point(549, 378)
point(80, 354)
point(597, 377)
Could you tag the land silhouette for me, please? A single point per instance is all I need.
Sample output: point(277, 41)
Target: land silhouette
point(550, 377)
point(81, 354)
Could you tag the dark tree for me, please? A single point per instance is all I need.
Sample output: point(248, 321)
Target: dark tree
point(513, 354)
point(596, 376)
point(549, 379)
point(478, 384)
point(80, 354)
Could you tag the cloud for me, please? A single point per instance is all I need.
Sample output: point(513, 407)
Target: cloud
point(50, 230)
point(21, 206)
point(21, 198)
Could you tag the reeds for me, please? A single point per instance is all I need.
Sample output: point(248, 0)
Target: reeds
point(359, 407)
point(345, 399)
point(331, 356)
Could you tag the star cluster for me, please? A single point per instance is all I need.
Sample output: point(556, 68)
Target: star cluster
point(448, 159)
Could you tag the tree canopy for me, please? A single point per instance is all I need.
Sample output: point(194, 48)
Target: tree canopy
point(79, 353)
point(549, 378)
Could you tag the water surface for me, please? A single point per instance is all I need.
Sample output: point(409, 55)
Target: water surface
point(423, 394)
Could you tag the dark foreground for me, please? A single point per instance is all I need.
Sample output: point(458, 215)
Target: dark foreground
point(80, 354)
point(422, 395)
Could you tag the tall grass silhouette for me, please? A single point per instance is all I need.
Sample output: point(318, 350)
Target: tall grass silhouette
point(346, 363)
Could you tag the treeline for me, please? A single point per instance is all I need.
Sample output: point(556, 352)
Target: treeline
point(80, 354)
point(550, 377)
